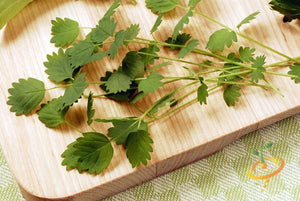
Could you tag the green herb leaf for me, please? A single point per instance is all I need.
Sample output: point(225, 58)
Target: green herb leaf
point(230, 69)
point(26, 95)
point(59, 67)
point(221, 38)
point(231, 94)
point(73, 92)
point(161, 6)
point(112, 9)
point(103, 30)
point(133, 65)
point(295, 70)
point(95, 57)
point(193, 3)
point(131, 32)
point(151, 83)
point(117, 82)
point(119, 96)
point(202, 93)
point(137, 97)
point(157, 23)
point(248, 19)
point(188, 48)
point(80, 53)
point(246, 54)
point(49, 114)
point(64, 31)
point(123, 127)
point(106, 26)
point(138, 145)
point(90, 110)
point(152, 55)
point(92, 152)
point(179, 26)
point(71, 160)
point(114, 47)
point(258, 63)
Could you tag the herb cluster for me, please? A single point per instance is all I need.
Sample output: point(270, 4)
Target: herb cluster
point(138, 75)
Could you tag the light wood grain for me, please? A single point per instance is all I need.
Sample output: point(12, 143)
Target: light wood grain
point(33, 151)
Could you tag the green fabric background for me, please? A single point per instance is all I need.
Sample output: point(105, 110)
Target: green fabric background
point(222, 176)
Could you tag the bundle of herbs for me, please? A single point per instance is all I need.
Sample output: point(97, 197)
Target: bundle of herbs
point(138, 75)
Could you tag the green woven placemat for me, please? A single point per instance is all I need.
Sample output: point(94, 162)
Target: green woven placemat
point(234, 173)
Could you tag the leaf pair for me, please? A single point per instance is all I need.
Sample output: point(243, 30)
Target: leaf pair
point(64, 65)
point(133, 134)
point(53, 113)
point(66, 30)
point(93, 152)
point(27, 94)
point(121, 83)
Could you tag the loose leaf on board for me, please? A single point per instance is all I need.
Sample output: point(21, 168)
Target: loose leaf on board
point(49, 114)
point(64, 31)
point(25, 95)
point(151, 83)
point(59, 66)
point(231, 94)
point(138, 146)
point(202, 93)
point(221, 38)
point(103, 30)
point(92, 152)
point(188, 48)
point(80, 53)
point(118, 81)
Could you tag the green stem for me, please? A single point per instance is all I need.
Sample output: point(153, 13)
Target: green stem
point(74, 127)
point(243, 35)
point(100, 82)
point(60, 86)
point(174, 110)
point(273, 87)
point(127, 129)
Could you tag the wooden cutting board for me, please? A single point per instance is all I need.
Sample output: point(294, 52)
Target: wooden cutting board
point(33, 151)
